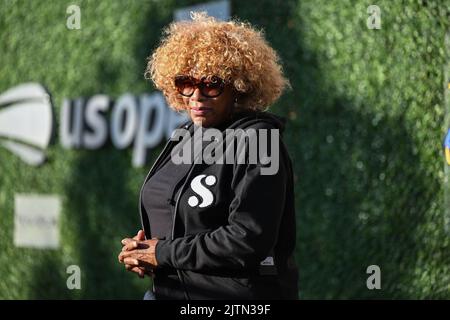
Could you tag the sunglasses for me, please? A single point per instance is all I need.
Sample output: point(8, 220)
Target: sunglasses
point(210, 87)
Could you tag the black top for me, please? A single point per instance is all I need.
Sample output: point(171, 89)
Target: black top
point(158, 198)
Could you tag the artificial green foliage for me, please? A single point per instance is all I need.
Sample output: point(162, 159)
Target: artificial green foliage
point(366, 120)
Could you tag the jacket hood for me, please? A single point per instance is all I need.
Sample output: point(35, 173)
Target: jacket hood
point(246, 118)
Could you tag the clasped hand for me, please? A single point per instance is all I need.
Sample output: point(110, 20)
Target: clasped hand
point(138, 254)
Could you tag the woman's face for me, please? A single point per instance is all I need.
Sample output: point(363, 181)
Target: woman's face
point(210, 111)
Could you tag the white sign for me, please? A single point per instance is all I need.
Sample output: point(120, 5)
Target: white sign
point(217, 9)
point(36, 221)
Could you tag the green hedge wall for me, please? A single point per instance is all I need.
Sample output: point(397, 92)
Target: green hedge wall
point(367, 117)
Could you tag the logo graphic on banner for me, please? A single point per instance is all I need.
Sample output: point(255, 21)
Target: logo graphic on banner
point(26, 122)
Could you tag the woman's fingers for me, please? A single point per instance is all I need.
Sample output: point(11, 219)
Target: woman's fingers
point(139, 270)
point(140, 236)
point(136, 254)
point(129, 245)
point(125, 253)
point(131, 261)
point(128, 255)
point(132, 243)
point(121, 257)
point(127, 240)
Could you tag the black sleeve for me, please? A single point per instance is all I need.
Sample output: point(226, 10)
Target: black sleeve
point(251, 232)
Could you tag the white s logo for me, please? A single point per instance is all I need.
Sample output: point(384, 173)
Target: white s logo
point(204, 193)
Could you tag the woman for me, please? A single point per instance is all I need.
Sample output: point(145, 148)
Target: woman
point(216, 229)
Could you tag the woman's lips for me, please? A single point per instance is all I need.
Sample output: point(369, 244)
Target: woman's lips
point(200, 111)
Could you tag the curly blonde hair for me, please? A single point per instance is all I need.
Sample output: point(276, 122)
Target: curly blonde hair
point(233, 51)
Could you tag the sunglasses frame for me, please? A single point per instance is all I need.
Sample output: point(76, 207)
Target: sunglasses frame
point(199, 84)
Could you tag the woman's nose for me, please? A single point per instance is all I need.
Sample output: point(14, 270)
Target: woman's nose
point(197, 95)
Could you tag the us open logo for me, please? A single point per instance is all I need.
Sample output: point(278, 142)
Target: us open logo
point(26, 122)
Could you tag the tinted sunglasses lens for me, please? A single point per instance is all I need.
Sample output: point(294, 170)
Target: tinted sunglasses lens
point(212, 88)
point(185, 86)
point(209, 87)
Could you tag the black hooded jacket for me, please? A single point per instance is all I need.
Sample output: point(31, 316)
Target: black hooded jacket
point(241, 244)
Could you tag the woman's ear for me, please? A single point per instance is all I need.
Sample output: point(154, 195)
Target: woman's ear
point(238, 99)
